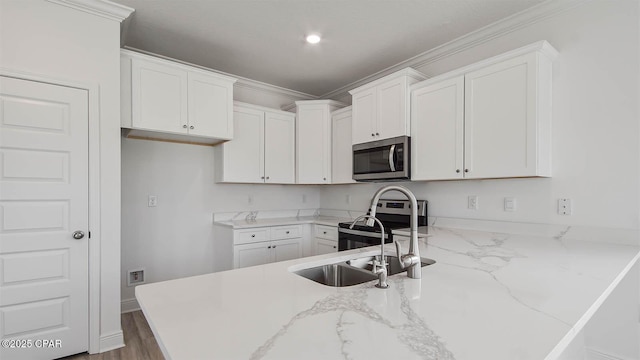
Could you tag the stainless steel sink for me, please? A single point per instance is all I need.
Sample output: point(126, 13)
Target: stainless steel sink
point(337, 275)
point(393, 265)
point(352, 272)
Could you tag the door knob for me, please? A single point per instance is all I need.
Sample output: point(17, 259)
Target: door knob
point(78, 235)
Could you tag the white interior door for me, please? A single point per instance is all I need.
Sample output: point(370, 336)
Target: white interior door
point(43, 201)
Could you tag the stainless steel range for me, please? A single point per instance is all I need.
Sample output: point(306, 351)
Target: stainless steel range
point(394, 214)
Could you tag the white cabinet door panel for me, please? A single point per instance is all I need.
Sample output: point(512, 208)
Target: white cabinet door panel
point(437, 116)
point(364, 116)
point(324, 246)
point(392, 109)
point(341, 152)
point(286, 249)
point(500, 119)
point(251, 255)
point(279, 140)
point(312, 144)
point(244, 155)
point(210, 107)
point(159, 97)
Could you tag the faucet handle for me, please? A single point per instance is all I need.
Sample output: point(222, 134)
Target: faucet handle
point(399, 254)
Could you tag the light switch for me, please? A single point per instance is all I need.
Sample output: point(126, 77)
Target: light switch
point(472, 202)
point(152, 201)
point(509, 204)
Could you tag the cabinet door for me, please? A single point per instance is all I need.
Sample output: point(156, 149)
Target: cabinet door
point(243, 159)
point(341, 150)
point(251, 254)
point(313, 122)
point(210, 106)
point(437, 121)
point(364, 116)
point(324, 246)
point(500, 119)
point(392, 109)
point(159, 97)
point(279, 148)
point(286, 249)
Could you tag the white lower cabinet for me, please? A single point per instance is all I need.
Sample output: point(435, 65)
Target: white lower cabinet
point(260, 246)
point(325, 239)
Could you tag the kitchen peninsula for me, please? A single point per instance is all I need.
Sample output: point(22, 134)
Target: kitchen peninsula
point(488, 296)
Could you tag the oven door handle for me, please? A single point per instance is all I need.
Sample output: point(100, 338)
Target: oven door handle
point(392, 153)
point(362, 233)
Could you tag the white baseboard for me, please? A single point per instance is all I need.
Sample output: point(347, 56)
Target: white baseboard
point(597, 355)
point(129, 305)
point(111, 341)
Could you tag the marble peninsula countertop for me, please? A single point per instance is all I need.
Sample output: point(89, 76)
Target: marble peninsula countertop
point(488, 296)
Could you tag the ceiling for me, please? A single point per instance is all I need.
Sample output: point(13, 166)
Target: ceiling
point(264, 39)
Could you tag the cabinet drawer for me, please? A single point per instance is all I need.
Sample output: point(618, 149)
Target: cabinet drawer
point(286, 232)
point(250, 236)
point(327, 232)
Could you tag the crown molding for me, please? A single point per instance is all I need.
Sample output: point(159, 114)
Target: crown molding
point(497, 29)
point(103, 8)
point(241, 82)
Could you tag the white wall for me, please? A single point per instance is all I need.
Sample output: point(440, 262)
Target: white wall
point(58, 43)
point(175, 238)
point(595, 127)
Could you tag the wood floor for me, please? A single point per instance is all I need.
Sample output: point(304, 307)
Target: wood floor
point(139, 340)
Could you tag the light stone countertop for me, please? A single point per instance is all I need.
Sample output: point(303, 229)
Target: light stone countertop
point(489, 296)
point(278, 221)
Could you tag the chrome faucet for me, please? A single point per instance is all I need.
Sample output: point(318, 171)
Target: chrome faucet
point(379, 265)
point(411, 261)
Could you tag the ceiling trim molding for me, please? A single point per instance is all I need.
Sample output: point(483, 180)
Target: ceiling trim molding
point(497, 29)
point(262, 86)
point(242, 82)
point(103, 8)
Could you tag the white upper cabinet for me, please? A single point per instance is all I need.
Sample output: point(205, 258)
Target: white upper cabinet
point(437, 130)
point(488, 120)
point(313, 119)
point(381, 108)
point(163, 99)
point(279, 147)
point(210, 106)
point(341, 149)
point(262, 150)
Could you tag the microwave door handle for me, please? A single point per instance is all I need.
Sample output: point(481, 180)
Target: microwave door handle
point(392, 152)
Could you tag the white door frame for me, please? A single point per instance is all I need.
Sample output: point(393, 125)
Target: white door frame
point(93, 90)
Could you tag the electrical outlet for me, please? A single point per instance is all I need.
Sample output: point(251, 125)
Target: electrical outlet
point(135, 277)
point(509, 204)
point(250, 199)
point(348, 199)
point(472, 202)
point(304, 198)
point(564, 206)
point(152, 201)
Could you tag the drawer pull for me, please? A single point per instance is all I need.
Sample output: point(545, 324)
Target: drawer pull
point(324, 232)
point(287, 231)
point(253, 235)
point(274, 246)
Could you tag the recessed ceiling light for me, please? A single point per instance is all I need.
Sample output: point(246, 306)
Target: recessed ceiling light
point(313, 39)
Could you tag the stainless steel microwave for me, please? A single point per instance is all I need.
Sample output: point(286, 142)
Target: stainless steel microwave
point(382, 160)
